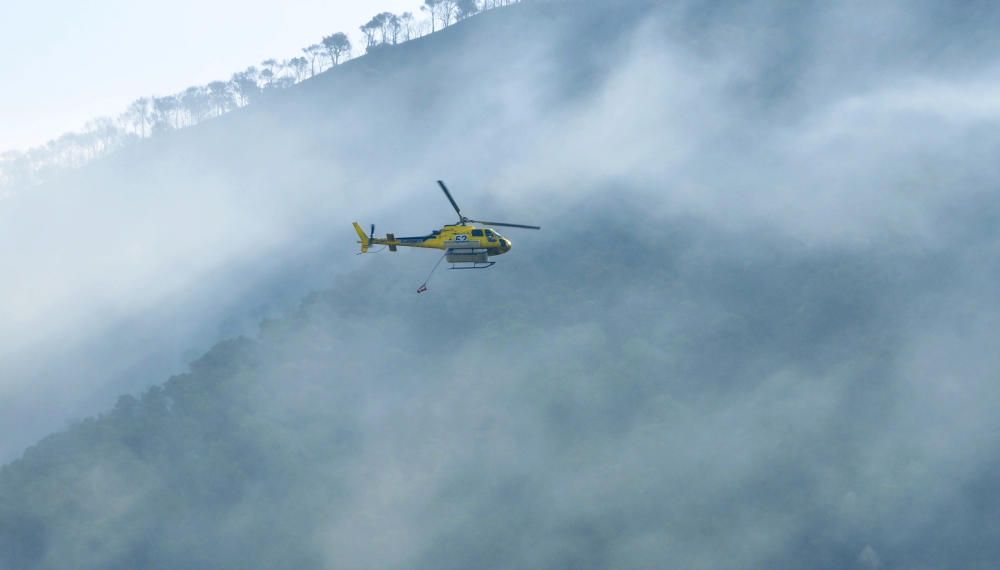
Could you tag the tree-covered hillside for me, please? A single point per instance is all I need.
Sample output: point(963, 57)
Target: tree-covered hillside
point(708, 404)
point(756, 331)
point(130, 266)
point(155, 115)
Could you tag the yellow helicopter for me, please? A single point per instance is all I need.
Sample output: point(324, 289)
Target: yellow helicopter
point(465, 245)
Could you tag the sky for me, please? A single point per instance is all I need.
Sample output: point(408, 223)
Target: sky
point(65, 62)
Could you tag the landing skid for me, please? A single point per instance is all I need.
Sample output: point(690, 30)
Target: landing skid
point(472, 265)
point(464, 264)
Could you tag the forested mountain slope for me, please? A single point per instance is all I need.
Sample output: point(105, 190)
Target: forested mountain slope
point(757, 329)
point(125, 270)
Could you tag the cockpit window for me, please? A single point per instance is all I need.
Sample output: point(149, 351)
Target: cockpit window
point(477, 233)
point(489, 233)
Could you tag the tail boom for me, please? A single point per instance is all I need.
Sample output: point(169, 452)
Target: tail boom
point(390, 240)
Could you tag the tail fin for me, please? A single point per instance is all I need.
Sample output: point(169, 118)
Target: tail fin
point(364, 239)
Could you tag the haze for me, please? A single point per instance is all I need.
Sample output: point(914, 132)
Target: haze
point(757, 330)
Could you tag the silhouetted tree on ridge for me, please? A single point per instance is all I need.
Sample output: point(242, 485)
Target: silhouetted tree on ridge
point(466, 8)
point(408, 25)
point(245, 85)
point(140, 115)
point(313, 52)
point(299, 66)
point(196, 103)
point(220, 95)
point(148, 116)
point(337, 45)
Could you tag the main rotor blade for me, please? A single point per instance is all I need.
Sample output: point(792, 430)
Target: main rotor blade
point(506, 225)
point(450, 199)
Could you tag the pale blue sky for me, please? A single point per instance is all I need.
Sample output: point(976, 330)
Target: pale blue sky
point(64, 62)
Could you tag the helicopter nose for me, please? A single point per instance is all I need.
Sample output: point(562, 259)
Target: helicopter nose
point(506, 244)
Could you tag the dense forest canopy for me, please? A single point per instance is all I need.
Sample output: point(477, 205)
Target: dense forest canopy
point(757, 330)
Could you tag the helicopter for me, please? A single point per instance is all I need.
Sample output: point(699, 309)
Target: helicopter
point(466, 246)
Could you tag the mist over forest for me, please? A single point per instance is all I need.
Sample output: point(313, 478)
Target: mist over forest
point(756, 331)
